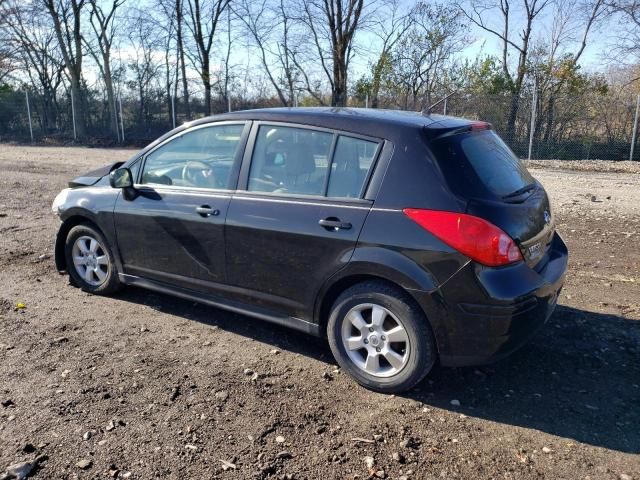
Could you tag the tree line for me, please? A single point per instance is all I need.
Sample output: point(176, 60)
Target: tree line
point(188, 58)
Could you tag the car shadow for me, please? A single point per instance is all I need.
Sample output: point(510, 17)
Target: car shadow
point(579, 378)
point(275, 335)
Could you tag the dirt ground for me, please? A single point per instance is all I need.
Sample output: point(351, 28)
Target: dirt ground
point(148, 386)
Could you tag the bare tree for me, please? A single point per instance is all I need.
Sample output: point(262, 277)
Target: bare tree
point(172, 24)
point(268, 27)
point(32, 38)
point(202, 21)
point(481, 13)
point(419, 61)
point(103, 25)
point(180, 46)
point(573, 21)
point(67, 21)
point(143, 63)
point(7, 54)
point(334, 23)
point(390, 26)
point(166, 27)
point(626, 44)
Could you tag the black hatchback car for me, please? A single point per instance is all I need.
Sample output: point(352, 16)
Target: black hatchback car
point(404, 238)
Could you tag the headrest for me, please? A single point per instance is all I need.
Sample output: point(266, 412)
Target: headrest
point(299, 161)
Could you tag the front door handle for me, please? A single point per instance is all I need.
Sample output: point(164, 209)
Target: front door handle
point(207, 211)
point(333, 223)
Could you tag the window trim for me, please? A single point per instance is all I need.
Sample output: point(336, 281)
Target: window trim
point(233, 174)
point(243, 179)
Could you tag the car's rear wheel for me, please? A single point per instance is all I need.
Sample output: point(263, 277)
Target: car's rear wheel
point(379, 336)
point(90, 261)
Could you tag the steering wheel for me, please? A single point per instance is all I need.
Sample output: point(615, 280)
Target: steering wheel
point(199, 174)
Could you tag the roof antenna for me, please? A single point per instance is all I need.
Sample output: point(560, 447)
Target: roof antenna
point(427, 111)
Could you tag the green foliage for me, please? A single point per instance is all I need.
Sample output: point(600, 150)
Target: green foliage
point(12, 107)
point(362, 88)
point(486, 75)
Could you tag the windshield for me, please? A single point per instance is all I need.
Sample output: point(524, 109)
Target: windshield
point(479, 164)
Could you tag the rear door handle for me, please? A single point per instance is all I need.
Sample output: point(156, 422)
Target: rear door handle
point(207, 211)
point(333, 223)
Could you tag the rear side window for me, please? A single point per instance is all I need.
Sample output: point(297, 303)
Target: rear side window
point(351, 162)
point(479, 164)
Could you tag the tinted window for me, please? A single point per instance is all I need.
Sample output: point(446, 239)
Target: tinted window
point(479, 164)
point(200, 158)
point(351, 162)
point(290, 160)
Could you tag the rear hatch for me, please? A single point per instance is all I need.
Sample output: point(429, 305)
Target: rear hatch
point(496, 185)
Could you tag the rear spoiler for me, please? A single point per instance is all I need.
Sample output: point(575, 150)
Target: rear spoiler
point(446, 128)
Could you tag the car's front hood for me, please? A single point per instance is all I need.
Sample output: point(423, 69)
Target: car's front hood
point(92, 177)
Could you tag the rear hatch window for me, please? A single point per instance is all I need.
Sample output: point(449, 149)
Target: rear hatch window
point(479, 167)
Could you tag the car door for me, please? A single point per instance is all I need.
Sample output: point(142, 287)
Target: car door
point(297, 215)
point(172, 230)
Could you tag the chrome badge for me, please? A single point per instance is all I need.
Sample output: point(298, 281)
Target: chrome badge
point(534, 250)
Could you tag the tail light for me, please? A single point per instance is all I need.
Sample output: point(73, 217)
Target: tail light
point(472, 236)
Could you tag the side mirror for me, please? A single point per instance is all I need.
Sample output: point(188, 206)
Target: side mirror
point(121, 178)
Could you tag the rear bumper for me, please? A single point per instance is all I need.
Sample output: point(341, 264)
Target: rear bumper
point(487, 313)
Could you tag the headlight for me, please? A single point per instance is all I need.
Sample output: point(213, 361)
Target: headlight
point(58, 203)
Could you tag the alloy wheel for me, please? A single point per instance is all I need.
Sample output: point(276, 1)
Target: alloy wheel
point(90, 260)
point(375, 340)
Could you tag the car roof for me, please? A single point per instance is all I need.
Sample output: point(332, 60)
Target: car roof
point(365, 121)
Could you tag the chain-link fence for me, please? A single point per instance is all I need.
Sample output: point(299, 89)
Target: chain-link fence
point(565, 127)
point(550, 127)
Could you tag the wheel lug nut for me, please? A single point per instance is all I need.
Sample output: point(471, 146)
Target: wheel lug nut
point(366, 341)
point(378, 349)
point(371, 329)
point(383, 337)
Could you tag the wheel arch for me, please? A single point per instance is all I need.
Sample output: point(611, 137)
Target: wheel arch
point(67, 224)
point(339, 285)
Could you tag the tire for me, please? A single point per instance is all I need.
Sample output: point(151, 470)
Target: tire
point(102, 282)
point(383, 308)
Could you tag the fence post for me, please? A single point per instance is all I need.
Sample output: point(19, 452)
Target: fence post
point(534, 105)
point(173, 110)
point(121, 120)
point(366, 101)
point(444, 110)
point(635, 129)
point(73, 116)
point(115, 112)
point(229, 102)
point(26, 94)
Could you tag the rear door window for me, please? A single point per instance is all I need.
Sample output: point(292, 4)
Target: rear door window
point(300, 161)
point(290, 160)
point(479, 164)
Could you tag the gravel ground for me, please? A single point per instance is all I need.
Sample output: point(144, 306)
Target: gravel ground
point(145, 386)
point(586, 165)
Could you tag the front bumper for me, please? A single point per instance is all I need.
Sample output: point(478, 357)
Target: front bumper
point(487, 313)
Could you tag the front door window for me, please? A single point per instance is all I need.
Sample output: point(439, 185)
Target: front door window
point(200, 158)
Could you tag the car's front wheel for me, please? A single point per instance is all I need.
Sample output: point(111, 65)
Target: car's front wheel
point(90, 261)
point(379, 336)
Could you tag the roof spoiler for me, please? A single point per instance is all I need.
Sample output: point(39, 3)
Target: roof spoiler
point(447, 128)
